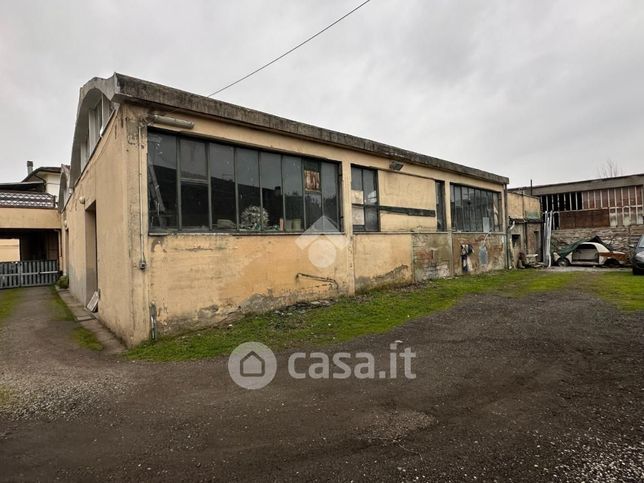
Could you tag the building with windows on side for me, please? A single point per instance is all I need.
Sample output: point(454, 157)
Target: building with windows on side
point(182, 211)
point(610, 208)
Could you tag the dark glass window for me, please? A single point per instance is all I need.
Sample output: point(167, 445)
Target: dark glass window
point(194, 184)
point(474, 209)
point(251, 216)
point(222, 185)
point(440, 206)
point(330, 198)
point(162, 180)
point(292, 175)
point(271, 184)
point(364, 199)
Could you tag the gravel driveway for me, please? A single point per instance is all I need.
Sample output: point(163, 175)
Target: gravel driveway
point(507, 389)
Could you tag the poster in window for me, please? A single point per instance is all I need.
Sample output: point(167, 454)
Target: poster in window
point(311, 180)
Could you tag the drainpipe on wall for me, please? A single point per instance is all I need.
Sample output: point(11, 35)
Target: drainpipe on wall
point(508, 264)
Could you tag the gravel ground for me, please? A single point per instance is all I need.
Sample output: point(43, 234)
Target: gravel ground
point(546, 388)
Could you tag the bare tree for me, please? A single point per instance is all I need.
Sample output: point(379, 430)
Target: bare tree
point(609, 169)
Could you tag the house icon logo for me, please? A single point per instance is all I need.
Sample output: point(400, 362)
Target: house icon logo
point(252, 365)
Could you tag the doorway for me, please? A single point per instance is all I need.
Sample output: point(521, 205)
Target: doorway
point(91, 253)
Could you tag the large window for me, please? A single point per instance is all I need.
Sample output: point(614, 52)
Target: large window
point(475, 210)
point(196, 185)
point(364, 199)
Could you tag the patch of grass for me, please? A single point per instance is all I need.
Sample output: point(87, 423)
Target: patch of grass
point(8, 300)
point(349, 317)
point(59, 307)
point(5, 396)
point(86, 338)
point(622, 289)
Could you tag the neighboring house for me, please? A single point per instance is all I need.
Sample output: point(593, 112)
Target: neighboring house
point(29, 220)
point(524, 214)
point(610, 208)
point(184, 211)
point(48, 176)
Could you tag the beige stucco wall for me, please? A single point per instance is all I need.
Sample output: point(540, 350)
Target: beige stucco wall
point(31, 218)
point(9, 250)
point(196, 280)
point(111, 181)
point(523, 206)
point(381, 260)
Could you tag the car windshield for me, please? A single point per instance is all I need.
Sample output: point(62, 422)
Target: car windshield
point(641, 243)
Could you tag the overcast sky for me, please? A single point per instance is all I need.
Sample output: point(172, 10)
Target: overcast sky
point(541, 90)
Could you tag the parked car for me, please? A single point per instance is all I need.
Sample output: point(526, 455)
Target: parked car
point(638, 257)
point(590, 253)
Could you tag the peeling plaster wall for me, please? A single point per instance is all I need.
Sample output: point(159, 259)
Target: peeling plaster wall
point(204, 280)
point(382, 260)
point(488, 252)
point(432, 256)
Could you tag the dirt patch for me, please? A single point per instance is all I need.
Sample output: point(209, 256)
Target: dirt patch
point(541, 388)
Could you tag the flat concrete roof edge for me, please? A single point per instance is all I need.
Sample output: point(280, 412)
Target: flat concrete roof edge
point(145, 92)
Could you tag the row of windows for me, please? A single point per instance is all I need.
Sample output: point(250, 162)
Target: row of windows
point(197, 185)
point(202, 186)
point(474, 209)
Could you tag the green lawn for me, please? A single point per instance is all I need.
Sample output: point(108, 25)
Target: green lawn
point(349, 317)
point(622, 289)
point(8, 300)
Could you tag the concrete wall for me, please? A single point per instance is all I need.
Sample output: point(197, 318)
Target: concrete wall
point(10, 250)
point(31, 218)
point(110, 184)
point(523, 206)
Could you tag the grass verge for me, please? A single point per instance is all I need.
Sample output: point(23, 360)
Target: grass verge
point(8, 300)
point(349, 317)
point(83, 337)
point(59, 307)
point(622, 289)
point(86, 338)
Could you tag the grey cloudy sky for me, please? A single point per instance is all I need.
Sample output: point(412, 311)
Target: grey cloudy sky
point(546, 90)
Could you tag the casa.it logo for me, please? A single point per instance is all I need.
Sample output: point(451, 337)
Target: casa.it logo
point(322, 242)
point(252, 365)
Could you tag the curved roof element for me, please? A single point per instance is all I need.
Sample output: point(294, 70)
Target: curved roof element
point(121, 88)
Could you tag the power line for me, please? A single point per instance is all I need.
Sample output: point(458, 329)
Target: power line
point(289, 51)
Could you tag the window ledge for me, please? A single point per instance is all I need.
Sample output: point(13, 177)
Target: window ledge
point(237, 233)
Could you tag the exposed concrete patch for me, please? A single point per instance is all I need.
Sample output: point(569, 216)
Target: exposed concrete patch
point(397, 276)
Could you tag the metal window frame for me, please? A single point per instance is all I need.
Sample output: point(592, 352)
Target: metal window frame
point(364, 200)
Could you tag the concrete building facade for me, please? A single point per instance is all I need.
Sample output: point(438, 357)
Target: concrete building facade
point(183, 212)
point(611, 208)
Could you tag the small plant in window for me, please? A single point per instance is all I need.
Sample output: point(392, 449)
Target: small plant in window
point(253, 218)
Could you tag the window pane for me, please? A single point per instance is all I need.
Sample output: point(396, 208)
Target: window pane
point(271, 184)
point(312, 195)
point(356, 178)
point(357, 218)
point(457, 218)
point(194, 205)
point(193, 159)
point(162, 180)
point(330, 203)
point(292, 175)
point(440, 205)
point(222, 182)
point(371, 218)
point(247, 172)
point(369, 185)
